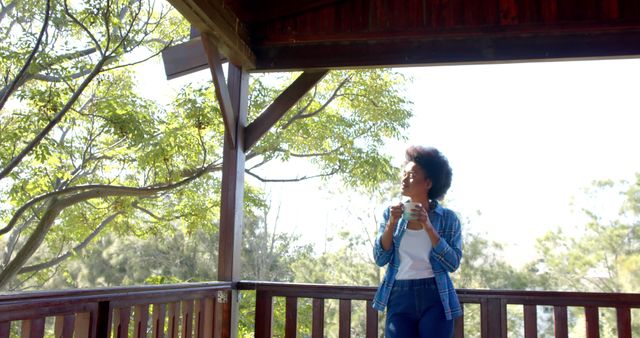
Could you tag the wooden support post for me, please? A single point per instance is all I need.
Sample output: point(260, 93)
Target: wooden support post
point(231, 200)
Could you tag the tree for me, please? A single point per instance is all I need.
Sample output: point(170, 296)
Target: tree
point(84, 154)
point(603, 256)
point(73, 60)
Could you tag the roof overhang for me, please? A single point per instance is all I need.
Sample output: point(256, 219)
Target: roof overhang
point(317, 34)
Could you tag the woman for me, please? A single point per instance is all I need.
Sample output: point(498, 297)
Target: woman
point(420, 246)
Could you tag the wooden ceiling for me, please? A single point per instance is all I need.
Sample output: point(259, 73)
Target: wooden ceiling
point(270, 35)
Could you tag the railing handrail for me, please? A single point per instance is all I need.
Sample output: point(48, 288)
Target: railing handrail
point(551, 298)
point(309, 290)
point(537, 297)
point(31, 295)
point(569, 298)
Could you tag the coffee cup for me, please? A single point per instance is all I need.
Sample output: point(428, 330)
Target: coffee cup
point(408, 212)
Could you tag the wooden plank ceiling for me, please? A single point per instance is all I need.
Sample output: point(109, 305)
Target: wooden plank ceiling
point(273, 35)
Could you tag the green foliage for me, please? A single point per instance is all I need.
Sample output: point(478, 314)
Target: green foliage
point(346, 119)
point(602, 258)
point(114, 137)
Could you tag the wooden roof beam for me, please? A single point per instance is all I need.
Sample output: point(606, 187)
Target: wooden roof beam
point(446, 50)
point(222, 91)
point(222, 25)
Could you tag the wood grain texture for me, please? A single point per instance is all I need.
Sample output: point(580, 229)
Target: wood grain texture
point(317, 321)
point(530, 321)
point(592, 319)
point(560, 322)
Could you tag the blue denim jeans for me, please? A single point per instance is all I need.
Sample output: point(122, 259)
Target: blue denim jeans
point(415, 310)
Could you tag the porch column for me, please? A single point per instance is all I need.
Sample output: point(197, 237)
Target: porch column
point(230, 242)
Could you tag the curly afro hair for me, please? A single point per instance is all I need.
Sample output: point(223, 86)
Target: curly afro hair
point(435, 167)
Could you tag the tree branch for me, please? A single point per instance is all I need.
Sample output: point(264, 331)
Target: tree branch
point(38, 68)
point(6, 9)
point(317, 154)
point(366, 97)
point(32, 244)
point(311, 99)
point(57, 205)
point(21, 73)
point(129, 28)
point(148, 212)
point(51, 78)
point(140, 61)
point(14, 237)
point(84, 28)
point(56, 119)
point(300, 115)
point(284, 180)
point(101, 190)
point(75, 250)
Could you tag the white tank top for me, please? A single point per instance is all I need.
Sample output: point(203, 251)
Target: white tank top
point(414, 255)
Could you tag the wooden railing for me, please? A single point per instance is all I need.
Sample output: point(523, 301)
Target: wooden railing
point(493, 309)
point(193, 310)
point(184, 308)
point(266, 291)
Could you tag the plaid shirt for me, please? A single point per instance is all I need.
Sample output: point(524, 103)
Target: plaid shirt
point(444, 257)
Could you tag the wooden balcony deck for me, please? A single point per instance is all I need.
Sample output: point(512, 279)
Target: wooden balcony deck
point(196, 310)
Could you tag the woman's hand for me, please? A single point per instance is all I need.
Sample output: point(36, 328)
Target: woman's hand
point(395, 212)
point(422, 217)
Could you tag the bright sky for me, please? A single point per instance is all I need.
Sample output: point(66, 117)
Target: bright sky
point(523, 140)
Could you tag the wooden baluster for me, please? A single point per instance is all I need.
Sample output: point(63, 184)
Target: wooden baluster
point(317, 326)
point(63, 327)
point(5, 329)
point(187, 318)
point(82, 325)
point(264, 314)
point(174, 320)
point(121, 323)
point(101, 325)
point(32, 328)
point(209, 317)
point(141, 318)
point(493, 316)
point(116, 322)
point(158, 321)
point(458, 328)
point(593, 321)
point(530, 321)
point(198, 315)
point(624, 321)
point(560, 322)
point(344, 324)
point(372, 321)
point(291, 317)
